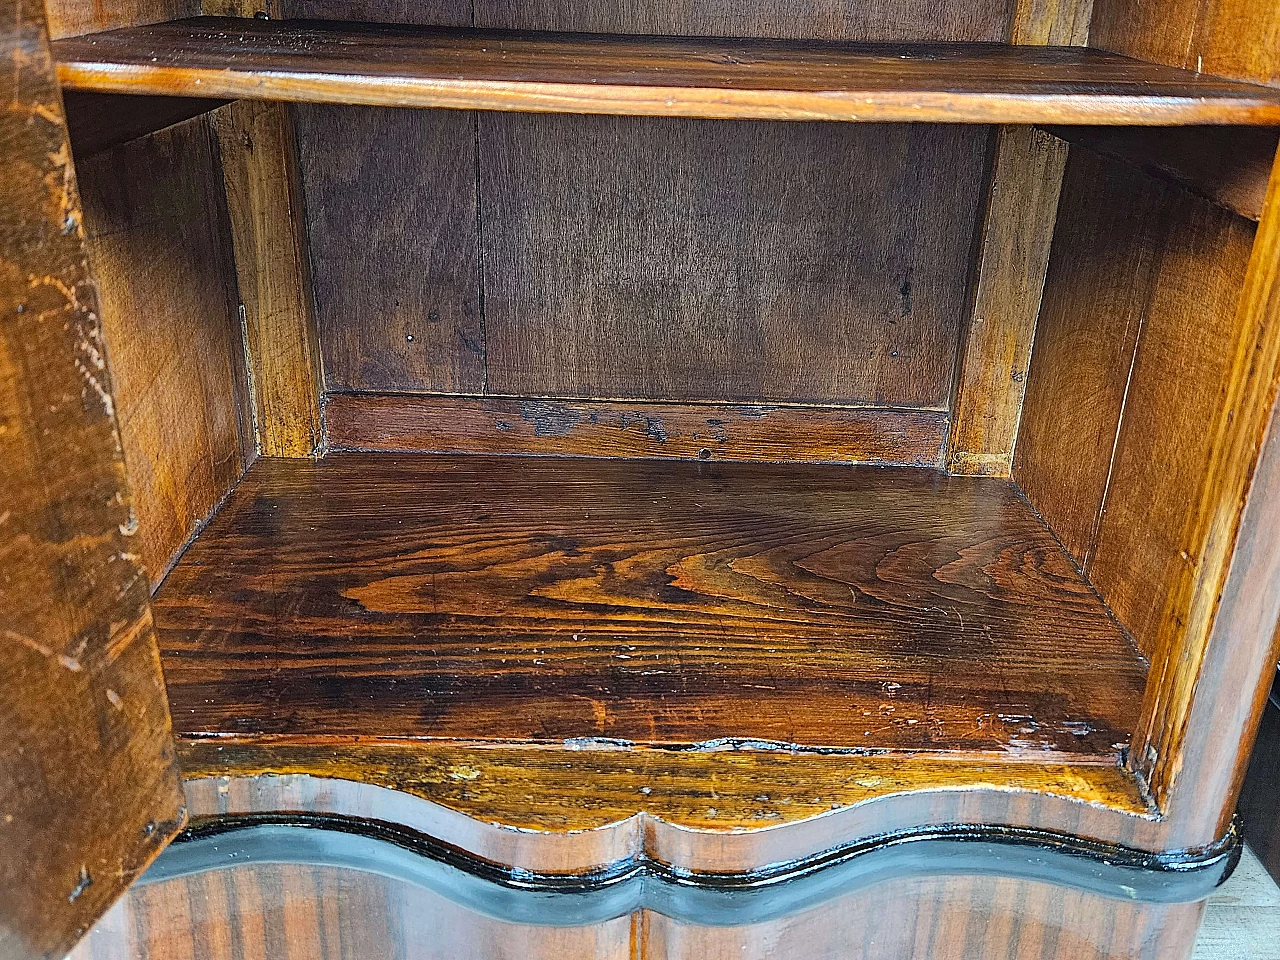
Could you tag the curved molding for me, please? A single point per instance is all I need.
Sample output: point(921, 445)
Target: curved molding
point(731, 811)
point(710, 899)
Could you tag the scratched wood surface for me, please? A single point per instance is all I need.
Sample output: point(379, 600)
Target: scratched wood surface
point(90, 791)
point(417, 67)
point(641, 601)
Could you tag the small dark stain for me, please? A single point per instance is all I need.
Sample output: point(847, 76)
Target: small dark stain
point(1019, 376)
point(717, 429)
point(503, 425)
point(433, 316)
point(905, 292)
point(594, 418)
point(549, 419)
point(471, 344)
point(654, 430)
point(85, 883)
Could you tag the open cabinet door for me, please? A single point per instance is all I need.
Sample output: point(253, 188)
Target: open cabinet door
point(89, 788)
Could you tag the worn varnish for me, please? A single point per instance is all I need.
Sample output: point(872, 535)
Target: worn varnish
point(641, 601)
point(89, 791)
point(412, 67)
point(593, 428)
point(157, 228)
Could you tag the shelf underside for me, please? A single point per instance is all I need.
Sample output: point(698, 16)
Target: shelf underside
point(580, 73)
point(574, 605)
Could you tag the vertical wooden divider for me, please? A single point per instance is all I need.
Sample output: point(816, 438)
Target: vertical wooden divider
point(1017, 232)
point(260, 171)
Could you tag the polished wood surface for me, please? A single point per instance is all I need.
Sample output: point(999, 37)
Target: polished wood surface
point(264, 205)
point(645, 602)
point(411, 67)
point(318, 913)
point(601, 428)
point(157, 229)
point(1228, 165)
point(89, 791)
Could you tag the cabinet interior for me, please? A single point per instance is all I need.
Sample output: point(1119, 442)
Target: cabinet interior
point(610, 423)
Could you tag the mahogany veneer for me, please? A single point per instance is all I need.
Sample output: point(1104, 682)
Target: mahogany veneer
point(653, 76)
point(613, 602)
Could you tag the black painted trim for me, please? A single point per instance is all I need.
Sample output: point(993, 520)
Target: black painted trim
point(706, 898)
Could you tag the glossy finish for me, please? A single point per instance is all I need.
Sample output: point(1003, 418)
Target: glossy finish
point(400, 423)
point(642, 602)
point(402, 66)
point(293, 912)
point(89, 788)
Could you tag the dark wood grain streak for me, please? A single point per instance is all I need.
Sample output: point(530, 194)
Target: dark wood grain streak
point(1228, 165)
point(667, 259)
point(89, 791)
point(770, 80)
point(101, 121)
point(156, 218)
point(507, 425)
point(642, 601)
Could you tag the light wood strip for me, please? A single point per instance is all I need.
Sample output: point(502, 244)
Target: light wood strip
point(260, 172)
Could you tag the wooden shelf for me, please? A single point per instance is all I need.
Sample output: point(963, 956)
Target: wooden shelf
point(614, 604)
point(568, 73)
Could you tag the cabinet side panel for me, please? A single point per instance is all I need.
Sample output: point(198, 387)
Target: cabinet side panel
point(155, 215)
point(1104, 253)
point(89, 788)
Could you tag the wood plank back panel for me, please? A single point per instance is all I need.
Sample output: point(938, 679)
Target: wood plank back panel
point(884, 20)
point(667, 259)
point(1105, 249)
point(89, 787)
point(646, 601)
point(70, 18)
point(597, 428)
point(156, 219)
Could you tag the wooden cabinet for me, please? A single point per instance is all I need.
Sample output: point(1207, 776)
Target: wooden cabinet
point(560, 482)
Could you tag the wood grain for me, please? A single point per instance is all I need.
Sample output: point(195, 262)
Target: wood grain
point(655, 259)
point(1162, 451)
point(1228, 165)
point(100, 121)
point(1231, 38)
point(507, 425)
point(69, 18)
point(1197, 586)
point(1105, 250)
point(1017, 235)
point(878, 20)
point(396, 271)
point(769, 80)
point(641, 601)
point(319, 913)
point(90, 788)
point(260, 175)
point(155, 214)
point(290, 912)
